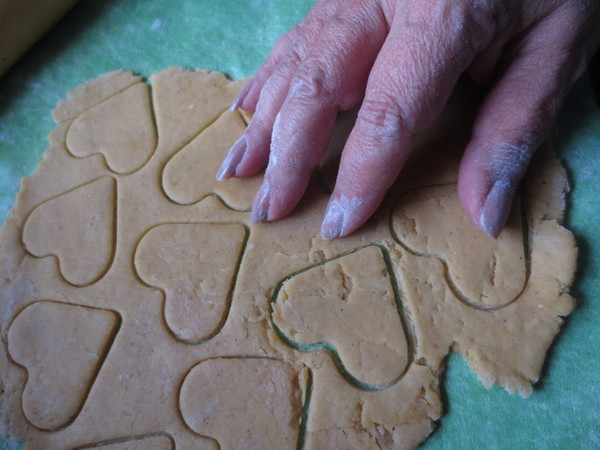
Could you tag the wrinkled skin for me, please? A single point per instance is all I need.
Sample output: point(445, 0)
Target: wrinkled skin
point(402, 59)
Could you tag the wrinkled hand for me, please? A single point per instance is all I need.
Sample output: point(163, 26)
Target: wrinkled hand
point(402, 59)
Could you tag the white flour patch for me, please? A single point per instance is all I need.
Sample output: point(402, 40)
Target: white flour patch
point(341, 210)
point(510, 162)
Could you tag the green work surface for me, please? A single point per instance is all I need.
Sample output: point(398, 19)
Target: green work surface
point(234, 36)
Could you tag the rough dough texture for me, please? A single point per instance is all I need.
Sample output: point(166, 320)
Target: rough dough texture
point(141, 309)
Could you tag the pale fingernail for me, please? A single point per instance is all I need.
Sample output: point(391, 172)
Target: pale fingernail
point(237, 102)
point(239, 99)
point(496, 208)
point(333, 224)
point(235, 155)
point(260, 209)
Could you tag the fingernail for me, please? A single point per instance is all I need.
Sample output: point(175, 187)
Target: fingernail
point(239, 99)
point(237, 102)
point(333, 224)
point(233, 159)
point(496, 208)
point(260, 209)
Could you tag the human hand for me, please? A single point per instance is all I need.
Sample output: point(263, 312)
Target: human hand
point(402, 59)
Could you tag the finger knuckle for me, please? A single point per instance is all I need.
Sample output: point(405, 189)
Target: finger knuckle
point(288, 64)
point(386, 114)
point(295, 54)
point(465, 25)
point(311, 82)
point(316, 23)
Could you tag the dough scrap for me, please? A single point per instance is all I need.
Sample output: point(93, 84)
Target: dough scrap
point(136, 294)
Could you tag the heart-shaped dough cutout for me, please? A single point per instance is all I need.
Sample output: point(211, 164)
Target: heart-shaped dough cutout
point(195, 265)
point(483, 272)
point(347, 306)
point(120, 128)
point(77, 227)
point(245, 402)
point(62, 346)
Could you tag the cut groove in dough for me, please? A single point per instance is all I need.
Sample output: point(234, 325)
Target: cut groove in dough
point(187, 101)
point(152, 441)
point(92, 93)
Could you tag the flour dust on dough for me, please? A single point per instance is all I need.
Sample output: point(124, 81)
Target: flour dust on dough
point(142, 309)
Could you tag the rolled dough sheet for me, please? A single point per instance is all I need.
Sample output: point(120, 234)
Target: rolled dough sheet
point(141, 309)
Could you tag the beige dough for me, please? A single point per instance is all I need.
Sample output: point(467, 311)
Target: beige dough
point(141, 309)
